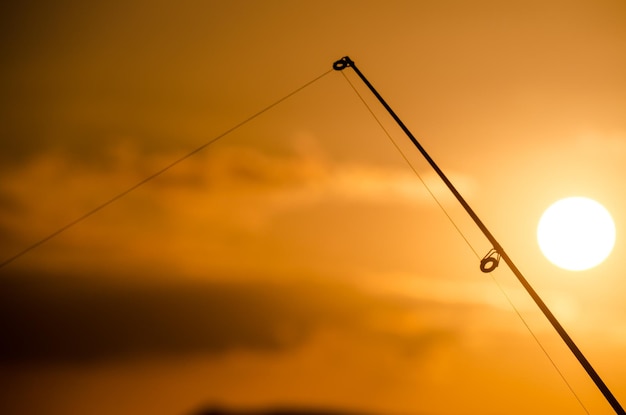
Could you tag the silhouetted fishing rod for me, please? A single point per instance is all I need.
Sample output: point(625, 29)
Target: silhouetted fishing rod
point(491, 260)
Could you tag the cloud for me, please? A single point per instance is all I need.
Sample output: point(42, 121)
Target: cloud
point(199, 207)
point(242, 184)
point(61, 319)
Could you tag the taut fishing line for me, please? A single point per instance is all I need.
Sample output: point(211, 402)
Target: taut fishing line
point(156, 174)
point(432, 194)
point(460, 232)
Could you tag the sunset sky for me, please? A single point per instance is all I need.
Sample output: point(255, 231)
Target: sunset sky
point(299, 261)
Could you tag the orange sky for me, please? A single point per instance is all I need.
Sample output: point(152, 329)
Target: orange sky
point(299, 261)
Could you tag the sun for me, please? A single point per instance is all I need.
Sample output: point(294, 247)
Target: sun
point(576, 233)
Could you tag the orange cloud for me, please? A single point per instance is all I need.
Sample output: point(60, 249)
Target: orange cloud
point(214, 194)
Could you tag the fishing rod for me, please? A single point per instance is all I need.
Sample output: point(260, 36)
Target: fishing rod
point(491, 260)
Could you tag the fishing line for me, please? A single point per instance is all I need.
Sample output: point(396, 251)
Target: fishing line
point(543, 349)
point(460, 232)
point(410, 165)
point(158, 173)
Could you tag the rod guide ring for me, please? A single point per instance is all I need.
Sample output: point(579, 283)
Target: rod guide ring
point(490, 261)
point(342, 63)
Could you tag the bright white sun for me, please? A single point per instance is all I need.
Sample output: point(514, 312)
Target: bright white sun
point(576, 233)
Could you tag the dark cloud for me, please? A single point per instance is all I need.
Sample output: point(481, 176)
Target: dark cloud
point(85, 322)
point(71, 320)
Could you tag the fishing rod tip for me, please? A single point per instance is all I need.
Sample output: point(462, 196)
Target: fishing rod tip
point(343, 63)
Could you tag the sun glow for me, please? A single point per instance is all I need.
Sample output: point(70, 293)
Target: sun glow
point(576, 233)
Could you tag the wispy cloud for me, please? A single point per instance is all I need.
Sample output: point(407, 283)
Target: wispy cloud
point(220, 190)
